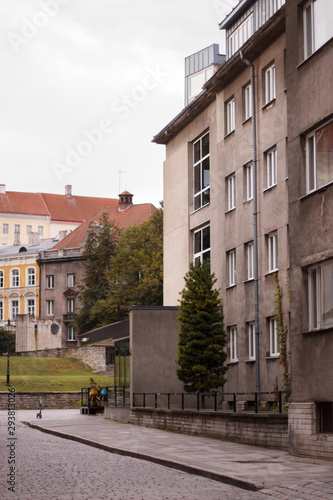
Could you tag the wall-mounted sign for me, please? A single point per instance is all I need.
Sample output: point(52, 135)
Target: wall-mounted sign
point(54, 328)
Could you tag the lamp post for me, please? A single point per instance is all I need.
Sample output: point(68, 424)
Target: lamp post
point(8, 328)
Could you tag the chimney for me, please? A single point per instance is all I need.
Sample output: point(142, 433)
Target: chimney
point(2, 188)
point(125, 201)
point(68, 191)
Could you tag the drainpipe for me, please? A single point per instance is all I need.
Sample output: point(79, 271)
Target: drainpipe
point(255, 220)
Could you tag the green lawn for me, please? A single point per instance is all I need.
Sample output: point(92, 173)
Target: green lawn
point(48, 374)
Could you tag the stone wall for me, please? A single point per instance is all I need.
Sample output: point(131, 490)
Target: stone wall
point(261, 429)
point(93, 356)
point(304, 436)
point(30, 400)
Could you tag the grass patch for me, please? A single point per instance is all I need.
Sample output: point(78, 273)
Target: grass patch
point(48, 374)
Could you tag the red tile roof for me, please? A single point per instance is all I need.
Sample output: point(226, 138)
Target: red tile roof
point(134, 215)
point(58, 207)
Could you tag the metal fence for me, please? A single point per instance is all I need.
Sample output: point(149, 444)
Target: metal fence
point(255, 401)
point(108, 396)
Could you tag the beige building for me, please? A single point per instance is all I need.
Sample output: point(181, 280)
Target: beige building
point(209, 190)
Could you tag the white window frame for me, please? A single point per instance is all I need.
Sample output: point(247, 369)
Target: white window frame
point(248, 181)
point(71, 305)
point(17, 228)
point(250, 260)
point(14, 310)
point(270, 88)
point(5, 228)
point(200, 251)
point(31, 276)
point(317, 25)
point(271, 168)
point(71, 280)
point(233, 355)
point(272, 244)
point(313, 181)
point(320, 295)
point(247, 102)
point(50, 281)
point(201, 192)
point(232, 267)
point(231, 191)
point(230, 116)
point(31, 306)
point(70, 333)
point(240, 35)
point(40, 230)
point(29, 229)
point(50, 307)
point(273, 338)
point(2, 278)
point(15, 278)
point(251, 340)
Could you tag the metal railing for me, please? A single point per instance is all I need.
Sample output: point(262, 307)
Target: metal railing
point(212, 401)
point(109, 396)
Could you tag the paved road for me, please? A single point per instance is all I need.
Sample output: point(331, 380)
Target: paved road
point(49, 467)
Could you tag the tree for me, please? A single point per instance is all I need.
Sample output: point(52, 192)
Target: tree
point(135, 276)
point(99, 249)
point(3, 341)
point(201, 333)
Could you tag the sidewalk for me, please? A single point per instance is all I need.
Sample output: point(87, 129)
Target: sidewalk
point(273, 472)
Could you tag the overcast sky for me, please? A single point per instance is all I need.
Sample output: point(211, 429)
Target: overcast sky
point(86, 84)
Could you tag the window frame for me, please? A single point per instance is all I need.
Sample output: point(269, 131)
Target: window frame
point(232, 267)
point(271, 167)
point(17, 228)
point(70, 280)
point(70, 305)
point(247, 101)
point(248, 174)
point(201, 192)
point(233, 347)
point(5, 228)
point(251, 340)
point(2, 278)
point(272, 252)
point(40, 230)
point(31, 277)
point(202, 253)
point(249, 260)
point(317, 293)
point(311, 157)
point(13, 314)
point(70, 333)
point(49, 281)
point(29, 306)
point(15, 279)
point(1, 309)
point(231, 192)
point(274, 350)
point(270, 84)
point(50, 307)
point(230, 109)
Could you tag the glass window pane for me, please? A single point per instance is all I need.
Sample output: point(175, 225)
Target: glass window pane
point(196, 151)
point(206, 238)
point(327, 293)
point(197, 242)
point(324, 146)
point(205, 145)
point(205, 173)
point(206, 197)
point(197, 184)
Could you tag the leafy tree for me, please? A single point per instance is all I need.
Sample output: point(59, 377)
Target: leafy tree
point(201, 333)
point(135, 276)
point(3, 341)
point(99, 249)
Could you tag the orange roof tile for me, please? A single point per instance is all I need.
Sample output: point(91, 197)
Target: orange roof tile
point(23, 203)
point(134, 215)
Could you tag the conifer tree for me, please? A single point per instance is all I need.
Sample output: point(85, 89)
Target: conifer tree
point(201, 333)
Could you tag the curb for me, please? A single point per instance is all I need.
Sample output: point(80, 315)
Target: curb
point(245, 485)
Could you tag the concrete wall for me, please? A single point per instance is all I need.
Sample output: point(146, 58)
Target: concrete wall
point(30, 400)
point(153, 346)
point(33, 334)
point(93, 356)
point(256, 429)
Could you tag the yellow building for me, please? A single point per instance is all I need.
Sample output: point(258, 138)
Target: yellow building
point(19, 280)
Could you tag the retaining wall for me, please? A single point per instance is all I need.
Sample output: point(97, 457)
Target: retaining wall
point(263, 429)
point(30, 400)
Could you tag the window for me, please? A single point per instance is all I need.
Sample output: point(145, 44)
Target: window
point(1, 310)
point(14, 309)
point(233, 343)
point(320, 295)
point(31, 276)
point(241, 34)
point(5, 228)
point(70, 332)
point(230, 114)
point(270, 84)
point(29, 229)
point(273, 338)
point(231, 267)
point(197, 81)
point(231, 194)
point(70, 280)
point(272, 252)
point(71, 305)
point(252, 341)
point(319, 157)
point(50, 307)
point(248, 177)
point(202, 245)
point(31, 306)
point(247, 102)
point(15, 277)
point(50, 281)
point(271, 163)
point(2, 274)
point(249, 261)
point(40, 230)
point(325, 417)
point(317, 25)
point(17, 228)
point(201, 172)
